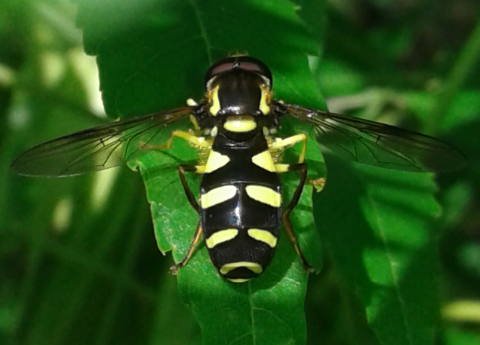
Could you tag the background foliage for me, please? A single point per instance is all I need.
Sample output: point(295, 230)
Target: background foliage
point(79, 262)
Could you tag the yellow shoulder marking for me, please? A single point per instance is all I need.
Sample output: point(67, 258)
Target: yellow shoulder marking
point(214, 101)
point(220, 237)
point(264, 195)
point(217, 196)
point(264, 107)
point(216, 161)
point(263, 236)
point(264, 160)
point(252, 266)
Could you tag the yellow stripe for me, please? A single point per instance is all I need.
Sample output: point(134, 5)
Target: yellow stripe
point(263, 236)
point(216, 161)
point(263, 101)
point(217, 196)
point(221, 236)
point(264, 160)
point(238, 280)
point(240, 123)
point(252, 266)
point(264, 195)
point(214, 101)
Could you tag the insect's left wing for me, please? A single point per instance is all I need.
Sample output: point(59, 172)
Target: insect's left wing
point(378, 144)
point(97, 148)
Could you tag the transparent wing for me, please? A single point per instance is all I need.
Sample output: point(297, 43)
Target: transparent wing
point(378, 144)
point(98, 148)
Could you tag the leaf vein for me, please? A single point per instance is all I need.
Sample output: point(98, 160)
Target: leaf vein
point(203, 30)
point(388, 251)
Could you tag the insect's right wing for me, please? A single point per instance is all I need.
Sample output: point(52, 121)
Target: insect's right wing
point(99, 147)
point(377, 144)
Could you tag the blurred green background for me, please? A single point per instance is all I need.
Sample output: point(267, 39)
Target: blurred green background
point(78, 257)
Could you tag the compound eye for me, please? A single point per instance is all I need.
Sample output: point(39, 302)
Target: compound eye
point(250, 66)
point(221, 68)
point(245, 63)
point(247, 66)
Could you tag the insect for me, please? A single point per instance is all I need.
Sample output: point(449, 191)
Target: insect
point(240, 205)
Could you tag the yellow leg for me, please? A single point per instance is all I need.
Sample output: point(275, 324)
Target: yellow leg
point(282, 144)
point(281, 168)
point(191, 102)
point(301, 167)
point(195, 124)
point(193, 140)
point(200, 169)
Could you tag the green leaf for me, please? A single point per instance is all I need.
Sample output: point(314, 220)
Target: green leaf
point(152, 55)
point(457, 336)
point(252, 312)
point(81, 284)
point(383, 242)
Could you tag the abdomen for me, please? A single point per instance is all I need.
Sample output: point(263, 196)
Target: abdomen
point(241, 208)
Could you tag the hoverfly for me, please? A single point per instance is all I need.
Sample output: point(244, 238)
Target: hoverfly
point(240, 204)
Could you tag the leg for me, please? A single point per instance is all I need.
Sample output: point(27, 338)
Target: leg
point(193, 140)
point(193, 201)
point(195, 125)
point(196, 238)
point(282, 144)
point(302, 169)
point(191, 102)
point(188, 192)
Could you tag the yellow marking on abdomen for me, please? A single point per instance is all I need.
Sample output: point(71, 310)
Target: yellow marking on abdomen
point(217, 196)
point(238, 280)
point(216, 161)
point(220, 237)
point(240, 123)
point(263, 236)
point(264, 160)
point(252, 266)
point(264, 195)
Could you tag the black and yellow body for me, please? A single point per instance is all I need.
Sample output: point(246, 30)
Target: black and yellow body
point(240, 205)
point(241, 193)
